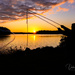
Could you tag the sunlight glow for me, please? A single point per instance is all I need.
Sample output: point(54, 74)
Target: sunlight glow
point(34, 31)
point(34, 37)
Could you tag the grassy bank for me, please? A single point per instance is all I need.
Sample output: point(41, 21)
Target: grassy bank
point(44, 60)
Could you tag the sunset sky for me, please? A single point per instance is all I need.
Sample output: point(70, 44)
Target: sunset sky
point(13, 14)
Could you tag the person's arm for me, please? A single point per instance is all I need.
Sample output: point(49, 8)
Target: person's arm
point(65, 28)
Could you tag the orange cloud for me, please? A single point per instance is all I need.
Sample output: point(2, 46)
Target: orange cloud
point(71, 1)
point(62, 9)
point(15, 10)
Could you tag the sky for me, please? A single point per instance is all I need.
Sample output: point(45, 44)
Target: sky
point(13, 14)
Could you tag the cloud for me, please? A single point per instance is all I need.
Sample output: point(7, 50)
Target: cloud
point(71, 1)
point(16, 9)
point(62, 9)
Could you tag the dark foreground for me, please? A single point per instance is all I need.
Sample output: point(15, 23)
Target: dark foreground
point(47, 60)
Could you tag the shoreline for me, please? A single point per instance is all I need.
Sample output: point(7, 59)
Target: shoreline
point(44, 60)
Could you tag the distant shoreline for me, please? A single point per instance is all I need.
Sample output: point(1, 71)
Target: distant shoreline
point(38, 32)
point(35, 33)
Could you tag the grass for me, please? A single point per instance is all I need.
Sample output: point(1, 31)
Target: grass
point(37, 61)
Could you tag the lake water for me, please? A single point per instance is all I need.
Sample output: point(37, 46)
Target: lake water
point(34, 41)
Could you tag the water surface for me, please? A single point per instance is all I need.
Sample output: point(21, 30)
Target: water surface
point(33, 41)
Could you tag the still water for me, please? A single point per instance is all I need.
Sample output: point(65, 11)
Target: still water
point(33, 41)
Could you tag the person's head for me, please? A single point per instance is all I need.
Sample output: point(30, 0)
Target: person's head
point(73, 26)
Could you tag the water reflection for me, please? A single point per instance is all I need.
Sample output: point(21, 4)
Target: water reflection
point(33, 41)
point(4, 37)
point(3, 40)
point(34, 37)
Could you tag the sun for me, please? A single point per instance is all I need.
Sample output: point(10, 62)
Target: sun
point(34, 31)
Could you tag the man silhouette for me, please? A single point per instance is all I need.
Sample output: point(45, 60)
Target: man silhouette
point(69, 41)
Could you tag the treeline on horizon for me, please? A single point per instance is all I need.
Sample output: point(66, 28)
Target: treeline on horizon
point(39, 32)
point(47, 32)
